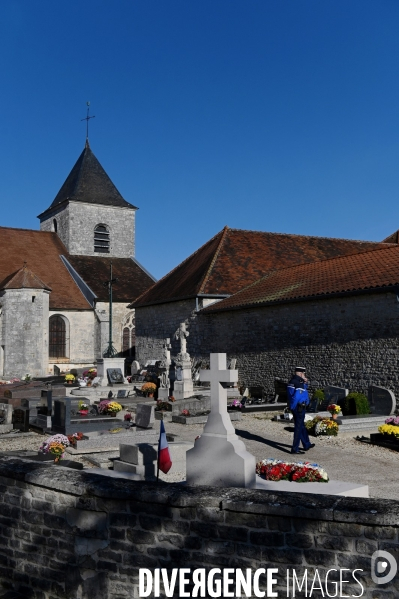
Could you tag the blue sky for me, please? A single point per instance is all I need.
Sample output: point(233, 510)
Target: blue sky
point(273, 115)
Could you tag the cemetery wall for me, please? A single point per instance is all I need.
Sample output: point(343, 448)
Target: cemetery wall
point(80, 338)
point(68, 534)
point(24, 332)
point(85, 217)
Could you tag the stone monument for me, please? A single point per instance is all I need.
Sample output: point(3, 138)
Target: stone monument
point(109, 364)
point(164, 382)
point(219, 457)
point(183, 386)
point(382, 401)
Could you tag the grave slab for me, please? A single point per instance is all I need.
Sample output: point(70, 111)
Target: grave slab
point(333, 487)
point(382, 401)
point(219, 457)
point(202, 419)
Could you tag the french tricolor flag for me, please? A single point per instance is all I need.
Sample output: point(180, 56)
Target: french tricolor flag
point(164, 461)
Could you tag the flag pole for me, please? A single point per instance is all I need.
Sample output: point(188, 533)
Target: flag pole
point(159, 448)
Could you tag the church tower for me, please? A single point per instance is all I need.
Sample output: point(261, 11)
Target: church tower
point(89, 214)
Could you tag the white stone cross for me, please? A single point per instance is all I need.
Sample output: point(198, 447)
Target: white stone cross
point(219, 457)
point(218, 420)
point(181, 334)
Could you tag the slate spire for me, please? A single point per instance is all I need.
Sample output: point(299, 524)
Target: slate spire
point(89, 183)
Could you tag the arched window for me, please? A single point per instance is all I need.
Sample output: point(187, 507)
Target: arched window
point(101, 239)
point(58, 337)
point(128, 335)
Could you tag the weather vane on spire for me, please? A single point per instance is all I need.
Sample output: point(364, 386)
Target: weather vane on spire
point(87, 119)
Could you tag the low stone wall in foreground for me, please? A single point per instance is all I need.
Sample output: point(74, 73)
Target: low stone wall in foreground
point(72, 534)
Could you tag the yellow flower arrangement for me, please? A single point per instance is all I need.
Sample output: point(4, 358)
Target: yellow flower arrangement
point(149, 388)
point(389, 429)
point(69, 377)
point(114, 406)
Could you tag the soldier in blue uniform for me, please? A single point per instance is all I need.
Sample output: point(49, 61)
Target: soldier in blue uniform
point(298, 399)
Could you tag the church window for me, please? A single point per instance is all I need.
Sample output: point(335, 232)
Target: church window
point(101, 239)
point(57, 337)
point(129, 335)
point(55, 225)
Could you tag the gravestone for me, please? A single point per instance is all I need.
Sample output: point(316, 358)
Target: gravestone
point(219, 457)
point(382, 401)
point(56, 370)
point(332, 395)
point(6, 424)
point(122, 393)
point(20, 419)
point(135, 367)
point(65, 422)
point(145, 415)
point(115, 376)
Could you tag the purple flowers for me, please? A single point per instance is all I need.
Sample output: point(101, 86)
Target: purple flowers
point(392, 420)
point(103, 406)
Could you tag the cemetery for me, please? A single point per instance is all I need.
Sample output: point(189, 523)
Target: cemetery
point(231, 485)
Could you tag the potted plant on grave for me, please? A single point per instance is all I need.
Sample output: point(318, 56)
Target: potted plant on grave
point(149, 389)
point(89, 375)
point(69, 379)
point(83, 408)
point(334, 410)
point(109, 408)
point(55, 445)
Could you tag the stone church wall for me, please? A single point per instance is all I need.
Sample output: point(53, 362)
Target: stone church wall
point(76, 223)
point(67, 534)
point(350, 341)
point(24, 332)
point(80, 332)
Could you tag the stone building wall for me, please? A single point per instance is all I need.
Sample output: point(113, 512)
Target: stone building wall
point(24, 332)
point(76, 223)
point(81, 335)
point(75, 534)
point(60, 215)
point(119, 312)
point(351, 341)
point(156, 323)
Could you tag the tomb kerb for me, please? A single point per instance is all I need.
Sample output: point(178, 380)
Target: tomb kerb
point(219, 457)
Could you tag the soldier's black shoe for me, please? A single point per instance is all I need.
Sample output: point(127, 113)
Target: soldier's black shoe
point(310, 447)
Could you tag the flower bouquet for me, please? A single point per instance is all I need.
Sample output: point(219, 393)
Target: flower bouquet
point(55, 445)
point(127, 417)
point(235, 405)
point(149, 389)
point(185, 413)
point(75, 437)
point(392, 420)
point(108, 407)
point(300, 472)
point(389, 430)
point(326, 427)
point(69, 378)
point(334, 409)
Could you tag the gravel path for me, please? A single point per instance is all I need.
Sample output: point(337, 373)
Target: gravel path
point(344, 458)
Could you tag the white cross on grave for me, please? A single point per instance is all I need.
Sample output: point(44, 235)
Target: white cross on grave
point(219, 457)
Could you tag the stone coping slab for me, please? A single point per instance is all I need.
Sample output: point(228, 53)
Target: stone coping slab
point(381, 512)
point(333, 487)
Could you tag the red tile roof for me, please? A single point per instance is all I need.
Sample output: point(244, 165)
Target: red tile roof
point(235, 258)
point(369, 270)
point(24, 279)
point(41, 251)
